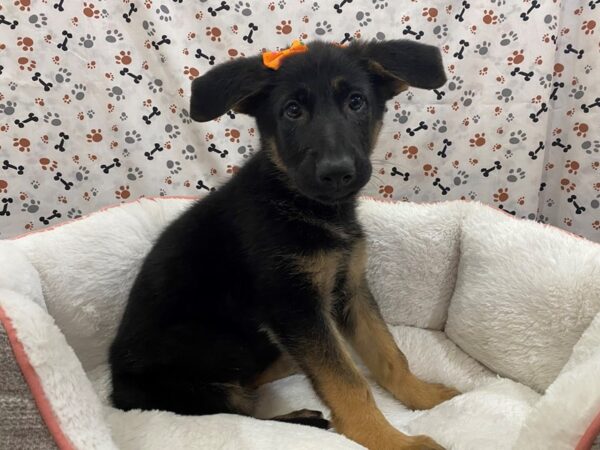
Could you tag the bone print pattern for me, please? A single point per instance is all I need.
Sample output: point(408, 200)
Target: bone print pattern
point(94, 102)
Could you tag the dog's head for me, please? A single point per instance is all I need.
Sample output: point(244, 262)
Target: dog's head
point(320, 112)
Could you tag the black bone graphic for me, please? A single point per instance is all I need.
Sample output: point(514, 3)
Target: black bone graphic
point(347, 38)
point(512, 213)
point(252, 29)
point(7, 165)
point(61, 146)
point(200, 185)
point(417, 34)
point(136, 78)
point(106, 168)
point(59, 5)
point(46, 220)
point(542, 186)
point(558, 143)
point(211, 59)
point(557, 85)
point(526, 75)
point(486, 172)
point(447, 144)
point(213, 11)
point(12, 24)
point(395, 172)
point(213, 148)
point(460, 16)
point(535, 117)
point(338, 6)
point(67, 184)
point(438, 182)
point(439, 94)
point(592, 4)
point(578, 209)
point(534, 5)
point(150, 154)
point(570, 49)
point(63, 45)
point(155, 112)
point(422, 126)
point(127, 15)
point(30, 118)
point(5, 202)
point(37, 77)
point(231, 114)
point(586, 108)
point(163, 40)
point(1, 69)
point(459, 54)
point(533, 154)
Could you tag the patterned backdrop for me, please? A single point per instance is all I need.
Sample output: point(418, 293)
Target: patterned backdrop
point(94, 102)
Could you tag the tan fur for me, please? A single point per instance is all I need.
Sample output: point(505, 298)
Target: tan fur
point(321, 268)
point(271, 148)
point(283, 367)
point(398, 84)
point(336, 83)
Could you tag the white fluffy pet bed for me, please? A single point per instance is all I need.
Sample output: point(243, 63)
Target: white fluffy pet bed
point(505, 310)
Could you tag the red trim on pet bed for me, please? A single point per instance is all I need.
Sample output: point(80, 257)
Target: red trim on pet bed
point(35, 386)
point(592, 432)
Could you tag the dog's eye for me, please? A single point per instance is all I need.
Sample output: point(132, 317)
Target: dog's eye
point(293, 110)
point(356, 102)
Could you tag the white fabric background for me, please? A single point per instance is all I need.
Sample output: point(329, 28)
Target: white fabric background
point(484, 111)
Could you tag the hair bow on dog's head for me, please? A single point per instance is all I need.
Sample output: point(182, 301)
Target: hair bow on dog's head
point(273, 59)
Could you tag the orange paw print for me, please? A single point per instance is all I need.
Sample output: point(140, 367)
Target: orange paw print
point(588, 26)
point(517, 57)
point(124, 57)
point(89, 10)
point(410, 152)
point(47, 164)
point(478, 140)
point(214, 34)
point(501, 195)
point(567, 185)
point(22, 144)
point(191, 72)
point(123, 192)
point(232, 134)
point(572, 166)
point(94, 135)
point(285, 27)
point(387, 191)
point(430, 13)
point(581, 129)
point(26, 44)
point(429, 170)
point(26, 63)
point(489, 17)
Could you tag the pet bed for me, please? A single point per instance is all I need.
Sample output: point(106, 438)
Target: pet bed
point(505, 310)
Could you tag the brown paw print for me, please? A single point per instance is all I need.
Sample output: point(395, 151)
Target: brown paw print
point(501, 195)
point(588, 26)
point(232, 170)
point(23, 5)
point(3, 186)
point(596, 224)
point(558, 70)
point(568, 221)
point(169, 180)
point(47, 164)
point(410, 151)
point(191, 72)
point(387, 191)
point(214, 33)
point(478, 140)
point(26, 44)
point(62, 199)
point(232, 134)
point(89, 10)
point(429, 170)
point(124, 57)
point(489, 18)
point(581, 129)
point(123, 192)
point(94, 135)
point(517, 57)
point(285, 27)
point(572, 166)
point(431, 14)
point(26, 63)
point(567, 185)
point(22, 144)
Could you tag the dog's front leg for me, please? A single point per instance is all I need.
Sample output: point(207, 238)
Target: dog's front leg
point(364, 327)
point(311, 337)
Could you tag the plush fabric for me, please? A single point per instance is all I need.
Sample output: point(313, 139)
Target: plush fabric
point(499, 308)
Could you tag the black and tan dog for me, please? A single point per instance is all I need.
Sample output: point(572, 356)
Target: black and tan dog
point(266, 276)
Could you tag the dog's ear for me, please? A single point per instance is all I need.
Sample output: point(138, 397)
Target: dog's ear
point(396, 65)
point(232, 85)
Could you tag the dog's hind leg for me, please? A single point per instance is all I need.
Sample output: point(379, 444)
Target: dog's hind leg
point(305, 417)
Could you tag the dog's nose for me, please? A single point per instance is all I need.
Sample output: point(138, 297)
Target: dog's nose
point(334, 174)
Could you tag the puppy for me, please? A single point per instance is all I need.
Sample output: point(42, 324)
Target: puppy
point(266, 276)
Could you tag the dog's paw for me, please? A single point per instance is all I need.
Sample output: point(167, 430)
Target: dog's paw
point(423, 443)
point(418, 394)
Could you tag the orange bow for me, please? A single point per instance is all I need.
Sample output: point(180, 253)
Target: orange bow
point(273, 59)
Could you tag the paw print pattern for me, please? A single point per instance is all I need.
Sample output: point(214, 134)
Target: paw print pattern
point(243, 8)
point(323, 28)
point(87, 41)
point(363, 18)
point(164, 13)
point(134, 173)
point(53, 119)
point(455, 83)
point(505, 95)
point(439, 126)
point(31, 206)
point(402, 116)
point(508, 38)
point(189, 152)
point(460, 178)
point(482, 49)
point(113, 36)
point(8, 108)
point(517, 137)
point(515, 175)
point(62, 76)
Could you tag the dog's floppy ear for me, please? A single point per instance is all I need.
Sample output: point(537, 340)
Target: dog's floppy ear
point(231, 85)
point(398, 64)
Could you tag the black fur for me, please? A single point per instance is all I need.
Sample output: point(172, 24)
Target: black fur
point(221, 282)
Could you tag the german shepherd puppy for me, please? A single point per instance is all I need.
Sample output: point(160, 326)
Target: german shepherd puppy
point(266, 276)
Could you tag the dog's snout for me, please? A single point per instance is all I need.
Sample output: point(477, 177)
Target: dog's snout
point(335, 174)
